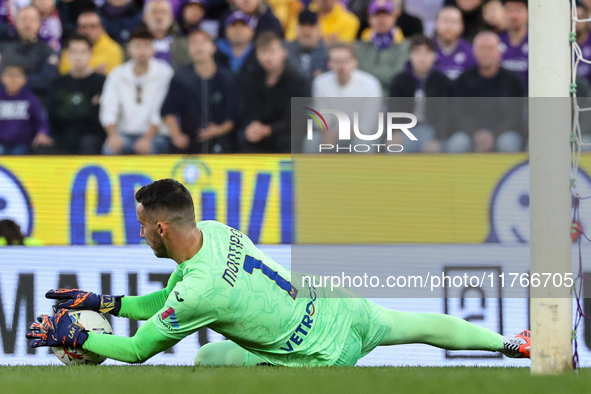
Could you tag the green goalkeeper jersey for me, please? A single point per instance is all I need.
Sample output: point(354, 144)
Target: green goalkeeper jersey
point(237, 290)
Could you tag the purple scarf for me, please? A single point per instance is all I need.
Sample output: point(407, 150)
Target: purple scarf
point(383, 40)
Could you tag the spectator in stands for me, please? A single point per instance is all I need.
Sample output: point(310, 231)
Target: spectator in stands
point(176, 5)
point(487, 124)
point(11, 235)
point(131, 100)
point(236, 51)
point(106, 53)
point(336, 22)
point(193, 12)
point(73, 102)
point(494, 16)
point(169, 44)
point(359, 9)
point(70, 10)
point(584, 101)
point(586, 3)
point(38, 59)
point(584, 41)
point(454, 55)
point(203, 98)
point(268, 100)
point(472, 17)
point(23, 121)
point(583, 79)
point(217, 8)
point(514, 40)
point(51, 26)
point(286, 11)
point(6, 19)
point(120, 18)
point(382, 50)
point(345, 80)
point(309, 53)
point(420, 82)
point(382, 27)
point(261, 17)
point(409, 24)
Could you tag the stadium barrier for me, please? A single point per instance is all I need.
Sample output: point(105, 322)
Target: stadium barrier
point(90, 200)
point(280, 199)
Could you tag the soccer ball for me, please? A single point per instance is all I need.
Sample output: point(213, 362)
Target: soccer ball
point(92, 321)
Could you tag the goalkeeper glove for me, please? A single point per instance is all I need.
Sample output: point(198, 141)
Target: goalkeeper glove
point(57, 330)
point(79, 299)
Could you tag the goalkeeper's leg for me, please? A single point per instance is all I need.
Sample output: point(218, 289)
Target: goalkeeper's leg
point(440, 330)
point(447, 332)
point(224, 353)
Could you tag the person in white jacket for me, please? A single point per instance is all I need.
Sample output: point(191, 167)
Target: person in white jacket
point(347, 89)
point(131, 101)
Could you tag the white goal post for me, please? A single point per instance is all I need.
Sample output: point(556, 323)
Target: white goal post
point(550, 197)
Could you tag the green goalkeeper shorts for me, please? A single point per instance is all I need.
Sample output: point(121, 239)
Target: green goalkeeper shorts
point(366, 331)
point(368, 328)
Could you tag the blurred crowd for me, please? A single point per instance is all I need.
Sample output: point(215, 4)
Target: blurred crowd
point(217, 76)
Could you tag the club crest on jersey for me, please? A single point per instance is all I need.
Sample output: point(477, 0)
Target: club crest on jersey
point(305, 326)
point(173, 320)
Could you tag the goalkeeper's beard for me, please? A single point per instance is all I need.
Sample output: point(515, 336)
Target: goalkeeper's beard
point(158, 247)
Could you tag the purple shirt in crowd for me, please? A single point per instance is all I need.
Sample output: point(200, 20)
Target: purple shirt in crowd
point(515, 58)
point(454, 63)
point(21, 117)
point(177, 8)
point(4, 10)
point(51, 31)
point(584, 69)
point(162, 48)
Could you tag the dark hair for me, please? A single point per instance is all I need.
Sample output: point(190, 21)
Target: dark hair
point(420, 40)
point(198, 30)
point(79, 37)
point(141, 33)
point(448, 7)
point(308, 17)
point(169, 196)
point(11, 231)
point(583, 6)
point(343, 45)
point(6, 64)
point(267, 38)
point(90, 12)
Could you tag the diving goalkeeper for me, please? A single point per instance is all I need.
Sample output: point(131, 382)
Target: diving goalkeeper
point(224, 282)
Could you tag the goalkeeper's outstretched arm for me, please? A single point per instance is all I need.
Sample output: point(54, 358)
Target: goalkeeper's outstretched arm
point(133, 307)
point(144, 307)
point(147, 342)
point(184, 312)
point(181, 314)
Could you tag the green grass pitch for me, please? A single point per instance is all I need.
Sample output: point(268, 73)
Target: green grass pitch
point(145, 379)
